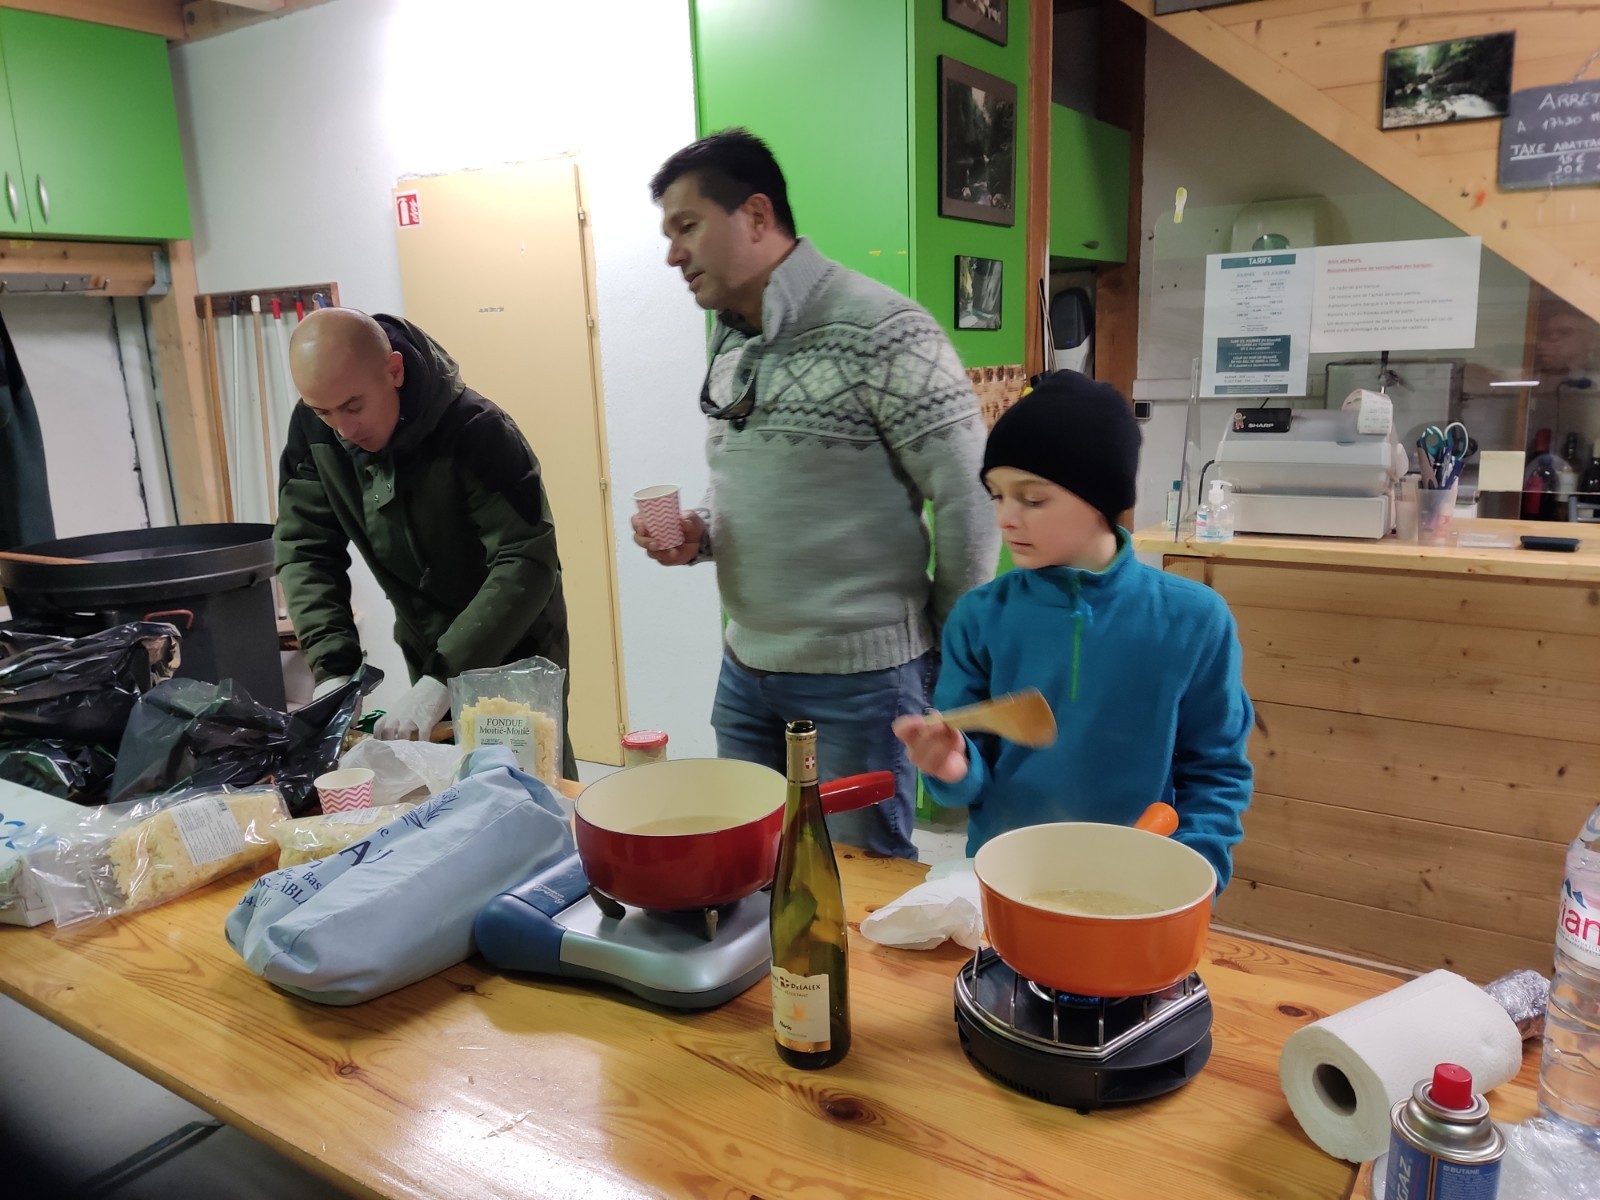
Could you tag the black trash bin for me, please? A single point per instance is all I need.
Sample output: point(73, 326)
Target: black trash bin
point(214, 582)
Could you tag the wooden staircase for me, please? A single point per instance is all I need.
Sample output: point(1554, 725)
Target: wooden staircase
point(1321, 61)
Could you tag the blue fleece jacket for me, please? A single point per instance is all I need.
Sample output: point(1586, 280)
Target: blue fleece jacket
point(1142, 670)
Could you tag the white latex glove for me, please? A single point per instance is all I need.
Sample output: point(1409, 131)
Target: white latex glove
point(332, 684)
point(419, 710)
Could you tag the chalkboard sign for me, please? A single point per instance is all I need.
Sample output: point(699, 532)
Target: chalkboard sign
point(1551, 137)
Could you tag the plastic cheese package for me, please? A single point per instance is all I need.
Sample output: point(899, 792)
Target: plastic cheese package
point(125, 857)
point(518, 705)
point(306, 839)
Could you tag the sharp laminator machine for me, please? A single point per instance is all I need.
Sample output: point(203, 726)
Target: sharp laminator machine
point(1321, 476)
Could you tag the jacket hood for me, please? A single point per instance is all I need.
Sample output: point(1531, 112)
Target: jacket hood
point(432, 381)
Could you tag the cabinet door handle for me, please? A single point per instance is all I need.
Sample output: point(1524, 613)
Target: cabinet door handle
point(1091, 245)
point(44, 200)
point(11, 196)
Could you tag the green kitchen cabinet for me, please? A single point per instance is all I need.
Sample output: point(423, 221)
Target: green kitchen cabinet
point(92, 137)
point(1089, 169)
point(13, 204)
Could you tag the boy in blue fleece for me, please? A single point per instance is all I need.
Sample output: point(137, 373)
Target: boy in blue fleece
point(1141, 667)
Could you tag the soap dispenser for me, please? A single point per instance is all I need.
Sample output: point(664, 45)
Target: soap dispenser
point(1214, 521)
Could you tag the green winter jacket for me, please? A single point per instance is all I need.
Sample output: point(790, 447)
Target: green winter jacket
point(451, 516)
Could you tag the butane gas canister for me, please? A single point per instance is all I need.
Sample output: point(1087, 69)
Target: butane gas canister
point(1442, 1144)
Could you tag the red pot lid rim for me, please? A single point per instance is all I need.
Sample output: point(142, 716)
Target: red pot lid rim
point(644, 739)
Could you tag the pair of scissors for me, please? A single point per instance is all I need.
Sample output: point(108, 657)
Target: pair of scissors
point(1445, 449)
point(1452, 439)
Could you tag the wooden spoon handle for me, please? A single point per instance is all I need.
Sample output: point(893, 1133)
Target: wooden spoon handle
point(42, 559)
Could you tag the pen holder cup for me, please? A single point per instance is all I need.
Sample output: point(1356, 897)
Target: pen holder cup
point(1436, 513)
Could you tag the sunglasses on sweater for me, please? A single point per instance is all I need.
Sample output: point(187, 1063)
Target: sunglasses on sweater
point(738, 410)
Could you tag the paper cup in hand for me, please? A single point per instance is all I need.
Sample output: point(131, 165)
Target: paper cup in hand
point(343, 790)
point(662, 517)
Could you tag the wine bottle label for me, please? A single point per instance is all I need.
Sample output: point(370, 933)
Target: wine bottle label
point(803, 760)
point(800, 1011)
point(1578, 929)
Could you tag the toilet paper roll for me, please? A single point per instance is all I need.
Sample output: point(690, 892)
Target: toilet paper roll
point(1342, 1074)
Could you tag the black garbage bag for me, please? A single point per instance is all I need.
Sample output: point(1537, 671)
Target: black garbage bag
point(71, 770)
point(185, 733)
point(81, 689)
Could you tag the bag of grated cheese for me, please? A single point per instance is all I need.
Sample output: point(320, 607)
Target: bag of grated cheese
point(125, 857)
point(517, 705)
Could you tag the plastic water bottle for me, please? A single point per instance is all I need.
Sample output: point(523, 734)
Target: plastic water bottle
point(1569, 1074)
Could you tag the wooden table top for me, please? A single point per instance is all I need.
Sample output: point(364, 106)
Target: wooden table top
point(471, 1084)
point(1581, 566)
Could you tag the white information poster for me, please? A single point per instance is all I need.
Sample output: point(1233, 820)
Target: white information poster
point(1419, 295)
point(1257, 324)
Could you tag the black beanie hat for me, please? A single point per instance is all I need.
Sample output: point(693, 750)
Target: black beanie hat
point(1074, 431)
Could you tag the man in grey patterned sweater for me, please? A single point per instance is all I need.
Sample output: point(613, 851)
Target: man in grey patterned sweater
point(837, 408)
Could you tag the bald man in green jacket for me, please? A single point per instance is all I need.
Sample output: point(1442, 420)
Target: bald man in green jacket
point(438, 491)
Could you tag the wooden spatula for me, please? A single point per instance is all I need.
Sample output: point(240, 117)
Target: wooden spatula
point(1022, 717)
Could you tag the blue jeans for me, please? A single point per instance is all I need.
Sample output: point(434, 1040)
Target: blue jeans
point(853, 715)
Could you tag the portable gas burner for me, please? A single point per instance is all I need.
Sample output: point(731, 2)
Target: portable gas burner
point(1080, 1051)
point(554, 925)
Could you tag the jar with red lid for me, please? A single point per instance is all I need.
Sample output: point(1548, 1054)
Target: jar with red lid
point(643, 746)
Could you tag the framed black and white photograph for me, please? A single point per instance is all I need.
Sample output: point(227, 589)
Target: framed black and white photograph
point(1468, 79)
point(978, 292)
point(977, 144)
point(987, 18)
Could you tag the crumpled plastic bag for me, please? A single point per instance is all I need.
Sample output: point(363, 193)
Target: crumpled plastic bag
point(404, 770)
point(1544, 1160)
point(69, 770)
point(945, 905)
point(122, 858)
point(188, 734)
point(81, 689)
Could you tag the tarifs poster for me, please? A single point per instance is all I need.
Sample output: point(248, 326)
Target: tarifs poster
point(1257, 324)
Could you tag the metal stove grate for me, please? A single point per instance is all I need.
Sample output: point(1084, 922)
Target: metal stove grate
point(1088, 1027)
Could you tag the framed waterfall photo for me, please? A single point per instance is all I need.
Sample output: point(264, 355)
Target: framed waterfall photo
point(978, 292)
point(977, 144)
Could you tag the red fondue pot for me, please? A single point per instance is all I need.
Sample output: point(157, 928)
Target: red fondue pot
point(695, 832)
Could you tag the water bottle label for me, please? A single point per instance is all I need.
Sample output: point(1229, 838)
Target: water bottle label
point(800, 1011)
point(1578, 927)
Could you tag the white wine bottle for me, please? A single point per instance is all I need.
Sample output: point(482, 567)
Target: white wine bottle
point(810, 960)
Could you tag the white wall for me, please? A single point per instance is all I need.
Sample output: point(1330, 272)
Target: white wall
point(1228, 147)
point(72, 357)
point(295, 130)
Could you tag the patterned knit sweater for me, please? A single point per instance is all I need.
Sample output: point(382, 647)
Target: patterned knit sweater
point(846, 411)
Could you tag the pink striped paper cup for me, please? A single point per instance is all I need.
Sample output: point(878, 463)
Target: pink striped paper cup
point(344, 790)
point(662, 517)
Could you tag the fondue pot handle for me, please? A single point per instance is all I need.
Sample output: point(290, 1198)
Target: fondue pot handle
point(1159, 818)
point(858, 791)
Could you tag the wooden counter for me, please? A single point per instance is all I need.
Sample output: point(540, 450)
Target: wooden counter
point(474, 1085)
point(1432, 744)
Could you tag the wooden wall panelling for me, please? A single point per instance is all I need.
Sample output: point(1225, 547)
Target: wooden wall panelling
point(1537, 605)
point(1320, 61)
point(112, 268)
point(1421, 943)
point(1526, 787)
point(1197, 569)
point(192, 440)
point(1483, 881)
point(1536, 685)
